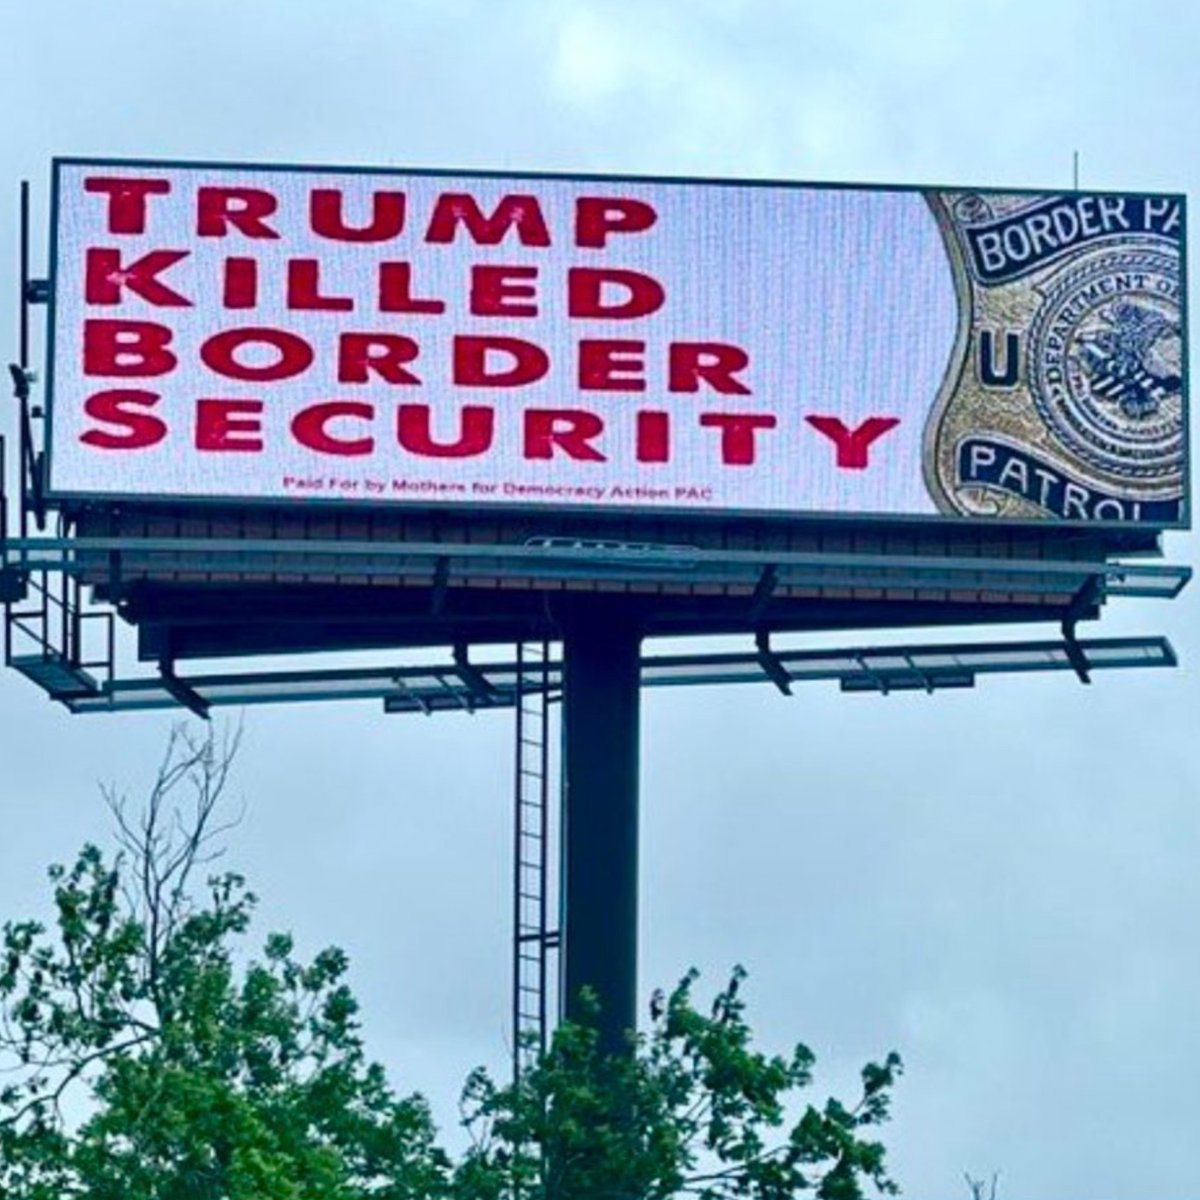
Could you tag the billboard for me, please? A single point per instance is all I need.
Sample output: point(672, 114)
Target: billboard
point(286, 335)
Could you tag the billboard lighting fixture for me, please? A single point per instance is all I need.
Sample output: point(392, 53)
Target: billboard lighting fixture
point(619, 554)
point(912, 678)
point(459, 685)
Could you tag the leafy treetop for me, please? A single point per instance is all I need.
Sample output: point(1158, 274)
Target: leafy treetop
point(144, 1057)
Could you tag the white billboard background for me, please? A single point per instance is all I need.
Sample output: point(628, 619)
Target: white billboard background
point(842, 299)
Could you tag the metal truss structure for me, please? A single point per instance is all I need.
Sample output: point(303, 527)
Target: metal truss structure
point(66, 643)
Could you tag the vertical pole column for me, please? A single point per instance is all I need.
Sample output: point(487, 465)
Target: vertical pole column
point(24, 450)
point(601, 705)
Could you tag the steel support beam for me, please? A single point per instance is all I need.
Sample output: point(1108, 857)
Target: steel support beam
point(601, 707)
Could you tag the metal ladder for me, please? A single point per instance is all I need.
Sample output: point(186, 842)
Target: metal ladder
point(49, 635)
point(535, 934)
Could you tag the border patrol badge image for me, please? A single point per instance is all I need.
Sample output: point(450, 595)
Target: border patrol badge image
point(1065, 393)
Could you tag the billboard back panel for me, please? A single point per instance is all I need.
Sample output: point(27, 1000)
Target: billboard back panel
point(288, 335)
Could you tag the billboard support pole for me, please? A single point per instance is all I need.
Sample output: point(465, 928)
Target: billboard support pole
point(600, 717)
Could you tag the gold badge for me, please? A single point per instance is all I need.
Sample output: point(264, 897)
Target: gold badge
point(1065, 394)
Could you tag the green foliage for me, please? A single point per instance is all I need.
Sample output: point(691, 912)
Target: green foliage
point(693, 1109)
point(204, 1080)
point(146, 1061)
point(144, 1056)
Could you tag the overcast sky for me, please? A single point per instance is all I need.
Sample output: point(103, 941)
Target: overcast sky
point(1001, 884)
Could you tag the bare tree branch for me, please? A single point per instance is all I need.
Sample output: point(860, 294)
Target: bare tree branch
point(146, 894)
point(173, 836)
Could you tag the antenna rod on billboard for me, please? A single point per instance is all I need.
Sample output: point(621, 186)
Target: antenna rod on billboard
point(23, 299)
point(21, 377)
point(1075, 169)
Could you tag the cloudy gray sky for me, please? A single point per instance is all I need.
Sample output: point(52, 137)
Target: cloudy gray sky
point(1001, 884)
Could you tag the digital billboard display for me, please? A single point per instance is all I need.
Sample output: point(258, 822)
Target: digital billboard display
point(288, 335)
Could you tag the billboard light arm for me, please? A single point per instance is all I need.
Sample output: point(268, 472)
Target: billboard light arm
point(763, 591)
point(877, 680)
point(181, 691)
point(1075, 654)
point(1086, 598)
point(441, 580)
point(114, 570)
point(771, 664)
point(472, 677)
point(926, 679)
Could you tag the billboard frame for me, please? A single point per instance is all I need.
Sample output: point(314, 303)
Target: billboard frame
point(70, 500)
point(602, 746)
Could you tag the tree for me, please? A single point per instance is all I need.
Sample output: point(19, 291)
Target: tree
point(146, 1057)
point(200, 1080)
point(978, 1187)
point(692, 1110)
